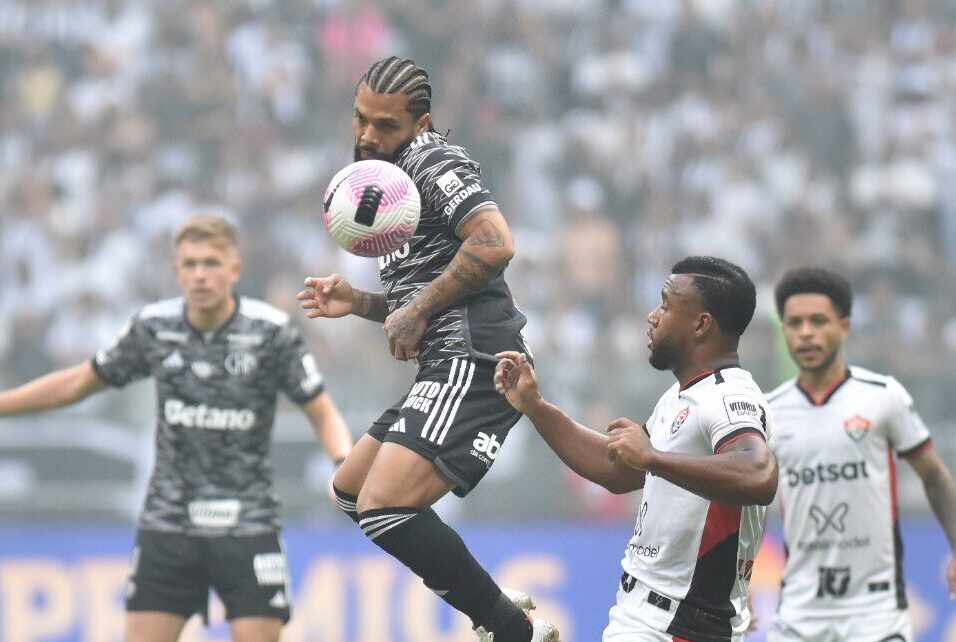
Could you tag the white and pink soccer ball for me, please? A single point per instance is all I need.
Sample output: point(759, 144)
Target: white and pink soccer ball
point(371, 208)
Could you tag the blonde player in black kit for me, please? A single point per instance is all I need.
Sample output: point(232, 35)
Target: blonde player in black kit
point(210, 517)
point(446, 305)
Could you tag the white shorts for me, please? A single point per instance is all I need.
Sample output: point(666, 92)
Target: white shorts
point(643, 615)
point(886, 626)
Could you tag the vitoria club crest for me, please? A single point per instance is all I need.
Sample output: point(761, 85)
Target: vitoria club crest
point(680, 419)
point(857, 427)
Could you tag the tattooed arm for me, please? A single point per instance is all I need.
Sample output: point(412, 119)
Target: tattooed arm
point(487, 247)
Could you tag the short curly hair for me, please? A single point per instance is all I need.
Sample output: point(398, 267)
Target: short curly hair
point(815, 280)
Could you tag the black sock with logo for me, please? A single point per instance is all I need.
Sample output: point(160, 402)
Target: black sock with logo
point(420, 540)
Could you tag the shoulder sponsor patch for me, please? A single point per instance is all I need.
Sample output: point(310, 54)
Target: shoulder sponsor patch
point(449, 183)
point(741, 408)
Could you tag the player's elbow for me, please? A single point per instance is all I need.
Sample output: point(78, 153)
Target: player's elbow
point(766, 477)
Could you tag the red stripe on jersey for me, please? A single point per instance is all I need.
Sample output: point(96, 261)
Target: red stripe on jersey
point(891, 461)
point(722, 521)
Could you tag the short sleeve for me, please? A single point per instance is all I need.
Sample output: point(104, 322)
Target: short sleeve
point(734, 415)
point(124, 360)
point(299, 375)
point(906, 430)
point(450, 184)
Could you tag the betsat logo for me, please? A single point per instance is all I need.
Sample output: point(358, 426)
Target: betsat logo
point(485, 448)
point(823, 473)
point(178, 413)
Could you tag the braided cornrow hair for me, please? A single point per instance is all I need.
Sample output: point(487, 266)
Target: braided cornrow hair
point(394, 75)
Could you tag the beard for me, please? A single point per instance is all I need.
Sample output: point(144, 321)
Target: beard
point(357, 153)
point(664, 354)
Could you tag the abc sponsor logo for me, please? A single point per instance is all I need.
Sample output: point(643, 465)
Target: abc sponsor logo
point(485, 448)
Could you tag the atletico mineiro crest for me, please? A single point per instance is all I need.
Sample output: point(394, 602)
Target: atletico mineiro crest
point(857, 427)
point(680, 418)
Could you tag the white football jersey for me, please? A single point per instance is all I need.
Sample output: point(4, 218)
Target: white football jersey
point(686, 547)
point(837, 493)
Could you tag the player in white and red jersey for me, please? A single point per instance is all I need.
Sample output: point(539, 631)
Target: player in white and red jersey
point(839, 432)
point(702, 460)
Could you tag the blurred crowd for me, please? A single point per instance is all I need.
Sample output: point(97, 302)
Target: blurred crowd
point(617, 136)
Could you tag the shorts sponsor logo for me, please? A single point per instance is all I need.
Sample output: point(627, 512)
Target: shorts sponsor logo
point(824, 473)
point(398, 426)
point(215, 513)
point(422, 396)
point(269, 569)
point(279, 601)
point(178, 413)
point(485, 448)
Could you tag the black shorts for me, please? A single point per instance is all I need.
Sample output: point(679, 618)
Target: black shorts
point(173, 573)
point(453, 417)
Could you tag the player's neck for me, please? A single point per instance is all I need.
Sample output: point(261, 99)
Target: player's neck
point(819, 383)
point(696, 367)
point(212, 319)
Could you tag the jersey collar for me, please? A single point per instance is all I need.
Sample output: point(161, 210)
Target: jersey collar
point(826, 395)
point(703, 375)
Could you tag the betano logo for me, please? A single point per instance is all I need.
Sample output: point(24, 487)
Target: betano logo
point(178, 413)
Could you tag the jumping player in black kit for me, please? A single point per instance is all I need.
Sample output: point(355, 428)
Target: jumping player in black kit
point(446, 305)
point(210, 518)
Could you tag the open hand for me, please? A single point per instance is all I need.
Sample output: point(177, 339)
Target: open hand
point(330, 297)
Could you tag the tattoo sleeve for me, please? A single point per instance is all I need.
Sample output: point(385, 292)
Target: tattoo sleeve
point(370, 306)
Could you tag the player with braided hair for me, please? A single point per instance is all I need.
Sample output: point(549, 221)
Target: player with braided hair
point(445, 305)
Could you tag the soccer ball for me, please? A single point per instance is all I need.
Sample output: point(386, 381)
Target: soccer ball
point(371, 208)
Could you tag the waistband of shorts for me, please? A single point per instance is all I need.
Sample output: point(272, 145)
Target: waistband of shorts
point(652, 597)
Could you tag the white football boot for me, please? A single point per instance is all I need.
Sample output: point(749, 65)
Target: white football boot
point(541, 631)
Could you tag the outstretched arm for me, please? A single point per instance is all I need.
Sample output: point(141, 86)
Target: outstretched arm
point(53, 390)
point(487, 247)
point(941, 493)
point(583, 450)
